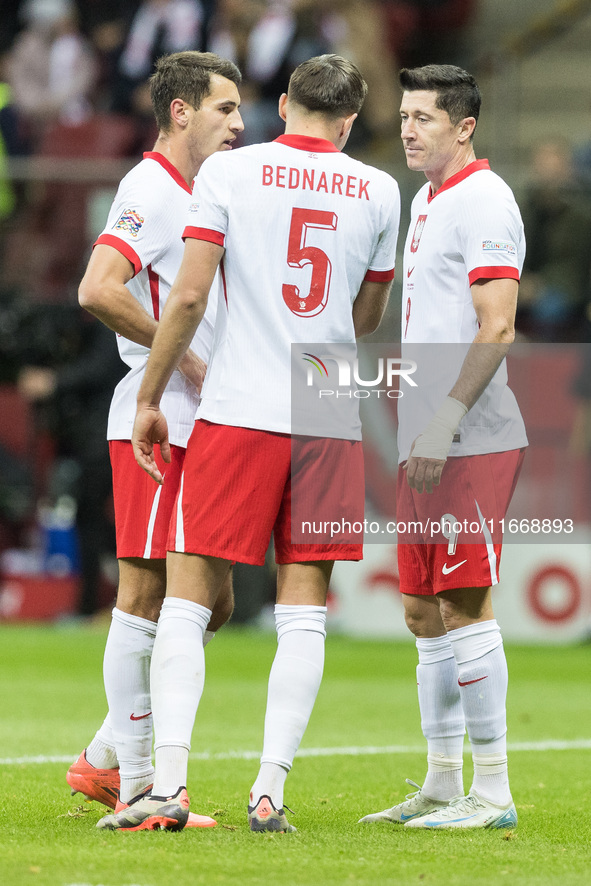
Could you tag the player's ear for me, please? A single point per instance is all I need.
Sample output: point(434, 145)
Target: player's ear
point(346, 126)
point(467, 127)
point(179, 112)
point(283, 106)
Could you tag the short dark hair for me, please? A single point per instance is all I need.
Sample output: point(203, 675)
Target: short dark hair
point(457, 91)
point(329, 84)
point(186, 75)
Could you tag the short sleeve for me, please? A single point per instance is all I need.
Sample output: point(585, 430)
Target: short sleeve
point(207, 218)
point(138, 224)
point(491, 235)
point(383, 260)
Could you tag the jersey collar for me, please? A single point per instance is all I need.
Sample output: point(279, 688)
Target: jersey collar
point(172, 170)
point(475, 166)
point(308, 143)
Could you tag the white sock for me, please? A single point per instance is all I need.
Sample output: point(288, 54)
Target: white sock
point(126, 672)
point(269, 781)
point(177, 679)
point(293, 686)
point(442, 717)
point(171, 766)
point(101, 753)
point(482, 678)
point(208, 637)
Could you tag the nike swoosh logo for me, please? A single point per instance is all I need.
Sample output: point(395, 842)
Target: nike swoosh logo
point(468, 682)
point(410, 270)
point(436, 824)
point(141, 717)
point(447, 569)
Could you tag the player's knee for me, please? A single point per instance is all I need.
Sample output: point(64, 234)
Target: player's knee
point(142, 586)
point(414, 623)
point(465, 606)
point(422, 621)
point(138, 603)
point(453, 620)
point(223, 609)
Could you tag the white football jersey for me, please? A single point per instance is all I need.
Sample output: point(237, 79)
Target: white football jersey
point(469, 230)
point(303, 225)
point(145, 224)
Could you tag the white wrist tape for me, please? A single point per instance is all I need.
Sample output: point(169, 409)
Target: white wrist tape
point(436, 439)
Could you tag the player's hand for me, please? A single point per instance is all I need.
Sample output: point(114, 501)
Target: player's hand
point(423, 473)
point(429, 451)
point(193, 368)
point(149, 428)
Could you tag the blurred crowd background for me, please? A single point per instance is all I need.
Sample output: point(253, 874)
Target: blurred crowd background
point(75, 115)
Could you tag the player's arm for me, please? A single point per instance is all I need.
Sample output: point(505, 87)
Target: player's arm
point(495, 302)
point(369, 306)
point(103, 293)
point(372, 298)
point(182, 314)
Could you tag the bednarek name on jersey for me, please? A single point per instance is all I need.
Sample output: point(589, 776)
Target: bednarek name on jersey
point(293, 178)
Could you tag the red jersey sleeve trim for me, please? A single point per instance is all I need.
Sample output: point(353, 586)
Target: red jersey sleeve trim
point(204, 234)
point(497, 272)
point(379, 276)
point(124, 248)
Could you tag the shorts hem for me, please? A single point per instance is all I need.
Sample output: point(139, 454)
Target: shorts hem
point(476, 584)
point(283, 560)
point(247, 559)
point(432, 592)
point(286, 559)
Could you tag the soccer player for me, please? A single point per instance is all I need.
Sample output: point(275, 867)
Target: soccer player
point(462, 261)
point(126, 284)
point(306, 239)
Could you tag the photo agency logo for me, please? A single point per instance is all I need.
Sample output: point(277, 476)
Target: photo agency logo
point(337, 376)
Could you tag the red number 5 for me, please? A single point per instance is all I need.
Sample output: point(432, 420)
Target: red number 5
point(298, 255)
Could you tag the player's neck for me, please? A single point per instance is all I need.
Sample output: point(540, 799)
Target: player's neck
point(459, 162)
point(314, 129)
point(312, 132)
point(176, 154)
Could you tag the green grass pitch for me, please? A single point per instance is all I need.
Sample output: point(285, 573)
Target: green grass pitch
point(363, 740)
